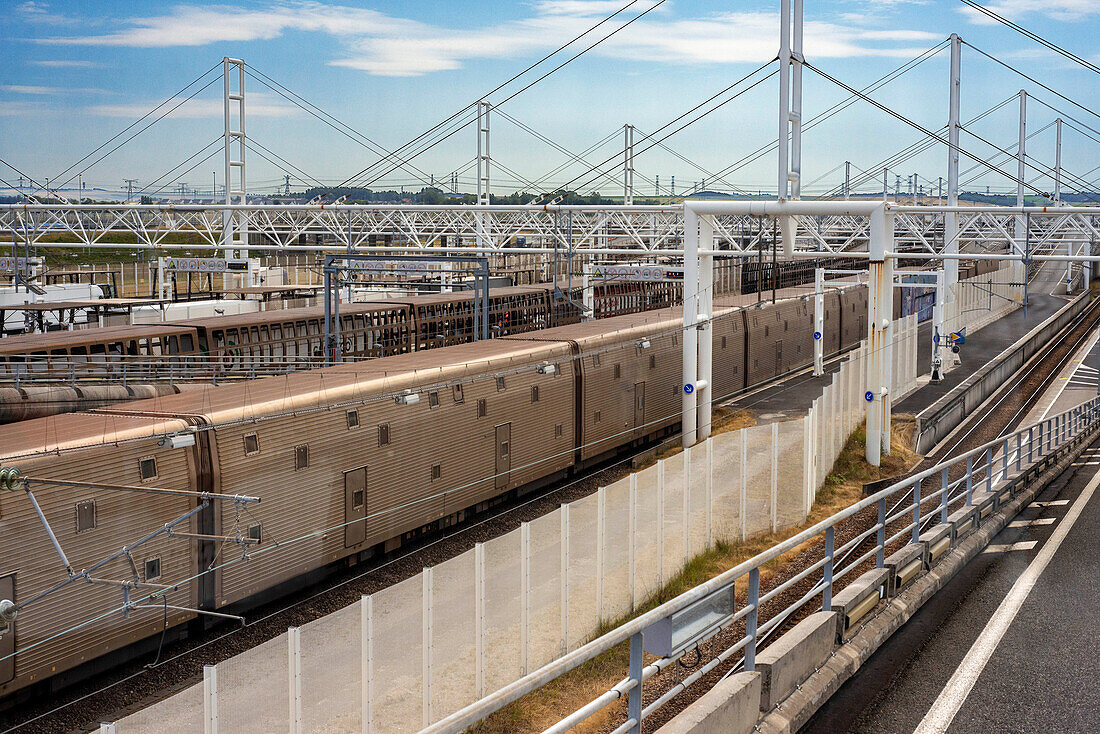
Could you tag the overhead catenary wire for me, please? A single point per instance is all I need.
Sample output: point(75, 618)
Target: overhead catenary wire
point(539, 79)
point(1034, 36)
point(136, 122)
point(915, 148)
point(839, 106)
point(902, 118)
point(335, 123)
point(513, 78)
point(180, 165)
point(157, 119)
point(690, 111)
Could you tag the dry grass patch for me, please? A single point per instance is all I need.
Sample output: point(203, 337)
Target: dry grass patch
point(843, 487)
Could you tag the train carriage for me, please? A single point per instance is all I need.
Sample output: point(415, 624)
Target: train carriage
point(239, 341)
point(90, 524)
point(374, 452)
point(100, 351)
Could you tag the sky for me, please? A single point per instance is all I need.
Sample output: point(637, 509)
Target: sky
point(74, 74)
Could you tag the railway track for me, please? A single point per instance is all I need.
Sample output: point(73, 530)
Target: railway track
point(178, 664)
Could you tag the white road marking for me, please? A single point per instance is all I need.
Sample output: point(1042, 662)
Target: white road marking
point(951, 698)
point(1086, 463)
point(1032, 523)
point(1023, 545)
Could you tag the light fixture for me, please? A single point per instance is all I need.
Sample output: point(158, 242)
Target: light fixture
point(181, 440)
point(643, 344)
point(546, 368)
point(407, 398)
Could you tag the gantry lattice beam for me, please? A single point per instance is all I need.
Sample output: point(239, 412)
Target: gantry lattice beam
point(610, 229)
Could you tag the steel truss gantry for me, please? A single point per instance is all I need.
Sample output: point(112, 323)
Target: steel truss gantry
point(919, 231)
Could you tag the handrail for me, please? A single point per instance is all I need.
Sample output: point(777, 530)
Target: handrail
point(1053, 433)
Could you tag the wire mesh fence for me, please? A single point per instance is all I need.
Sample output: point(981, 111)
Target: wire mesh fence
point(415, 652)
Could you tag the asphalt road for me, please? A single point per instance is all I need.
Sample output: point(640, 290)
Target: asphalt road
point(1009, 645)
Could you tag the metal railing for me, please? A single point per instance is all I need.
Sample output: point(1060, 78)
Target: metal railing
point(902, 512)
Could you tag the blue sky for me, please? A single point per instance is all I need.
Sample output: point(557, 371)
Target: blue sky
point(75, 73)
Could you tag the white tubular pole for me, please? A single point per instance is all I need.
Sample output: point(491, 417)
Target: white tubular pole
point(1021, 172)
point(784, 96)
point(879, 306)
point(294, 664)
point(1058, 202)
point(819, 321)
point(235, 226)
point(483, 153)
point(938, 325)
point(705, 333)
point(951, 219)
point(1058, 162)
point(689, 401)
point(795, 115)
point(227, 221)
point(628, 165)
point(483, 158)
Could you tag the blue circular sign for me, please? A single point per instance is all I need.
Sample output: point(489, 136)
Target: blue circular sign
point(817, 335)
point(868, 396)
point(689, 388)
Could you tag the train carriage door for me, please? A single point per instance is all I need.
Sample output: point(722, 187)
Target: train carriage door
point(779, 367)
point(504, 455)
point(355, 507)
point(639, 408)
point(7, 633)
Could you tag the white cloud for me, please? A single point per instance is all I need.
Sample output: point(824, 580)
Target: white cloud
point(18, 109)
point(30, 89)
point(259, 105)
point(33, 11)
point(386, 45)
point(1061, 10)
point(65, 63)
point(188, 25)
